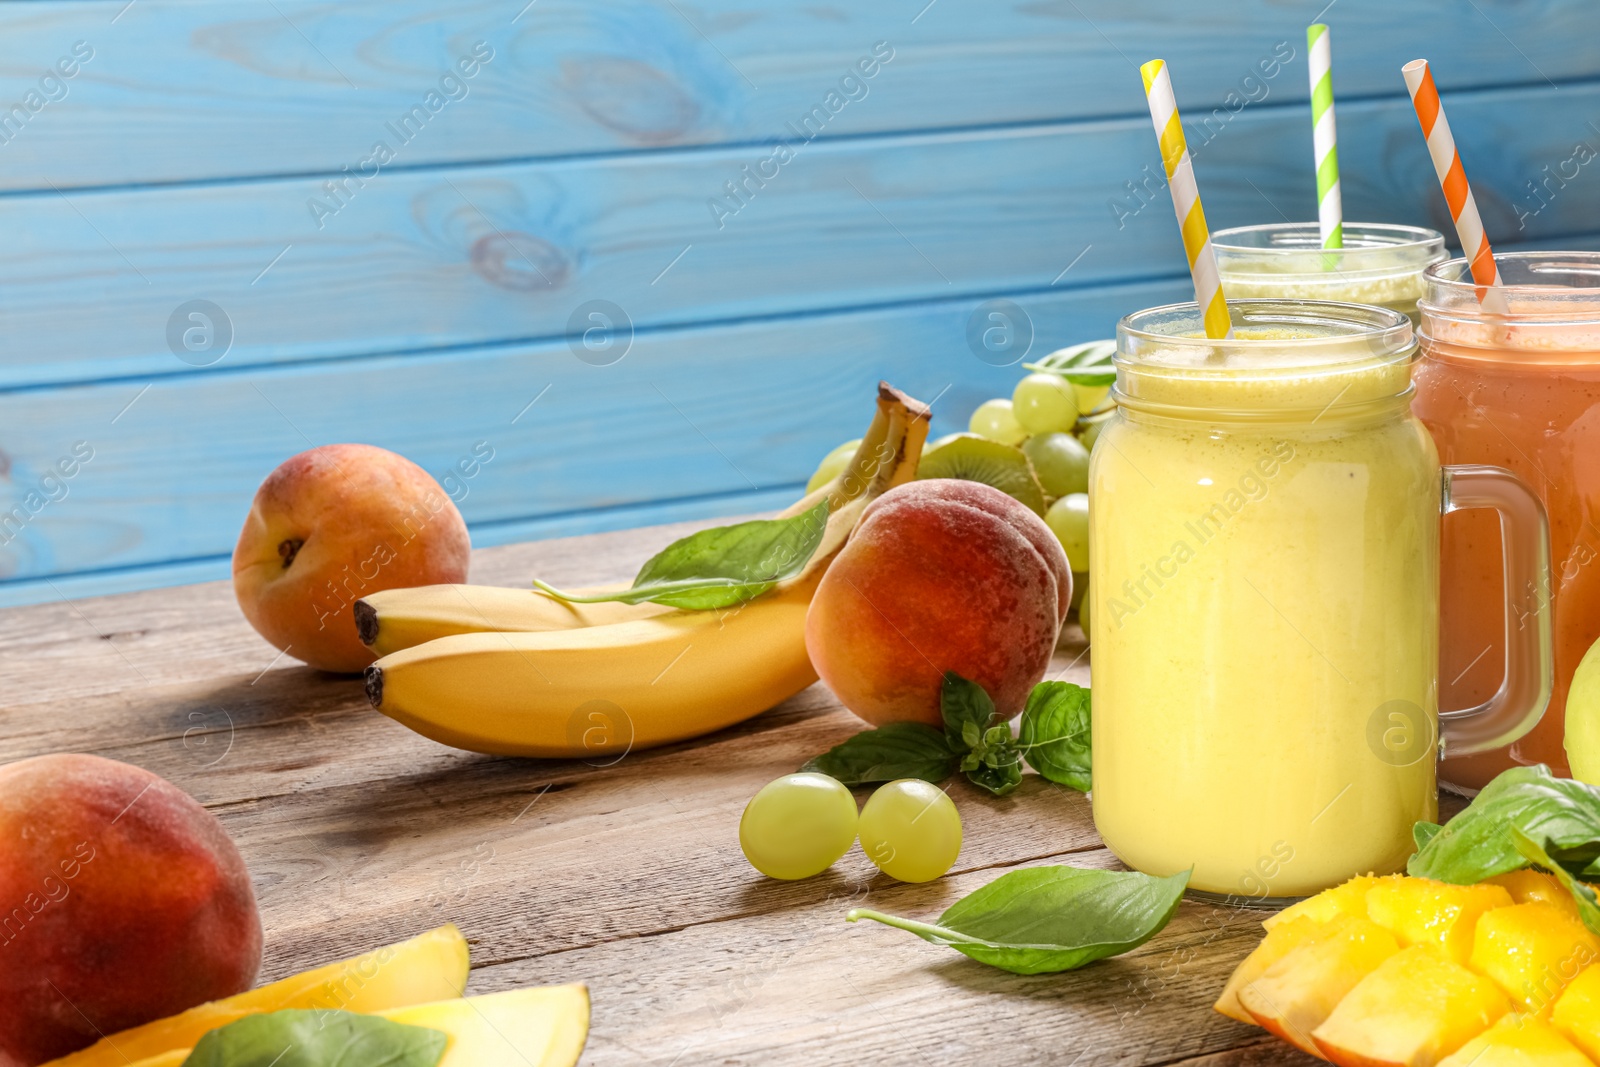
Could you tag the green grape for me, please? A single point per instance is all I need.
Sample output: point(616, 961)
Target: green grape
point(798, 826)
point(1090, 396)
point(1068, 519)
point(911, 830)
point(994, 420)
point(1061, 462)
point(1044, 403)
point(832, 464)
point(1091, 433)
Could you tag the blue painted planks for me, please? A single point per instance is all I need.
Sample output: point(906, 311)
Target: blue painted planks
point(479, 255)
point(184, 92)
point(735, 409)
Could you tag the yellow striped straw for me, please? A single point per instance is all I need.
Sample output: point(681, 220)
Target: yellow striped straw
point(1186, 199)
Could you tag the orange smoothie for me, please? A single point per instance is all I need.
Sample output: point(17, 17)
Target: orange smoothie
point(1524, 394)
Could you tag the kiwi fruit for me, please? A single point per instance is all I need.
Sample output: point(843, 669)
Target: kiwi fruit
point(978, 459)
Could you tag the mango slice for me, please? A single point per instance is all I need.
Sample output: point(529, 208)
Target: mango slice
point(1283, 938)
point(1294, 995)
point(1349, 898)
point(542, 1027)
point(429, 967)
point(1517, 1041)
point(1416, 1008)
point(1421, 911)
point(1577, 1011)
point(1532, 951)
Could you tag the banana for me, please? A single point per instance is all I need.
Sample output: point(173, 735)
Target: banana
point(396, 619)
point(608, 688)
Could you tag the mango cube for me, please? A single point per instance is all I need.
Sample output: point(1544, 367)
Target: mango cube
point(1294, 995)
point(1517, 1041)
point(1577, 1011)
point(1532, 950)
point(1420, 911)
point(1349, 898)
point(1417, 1007)
point(1529, 886)
point(1282, 939)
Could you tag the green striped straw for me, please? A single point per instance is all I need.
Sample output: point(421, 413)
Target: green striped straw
point(1324, 139)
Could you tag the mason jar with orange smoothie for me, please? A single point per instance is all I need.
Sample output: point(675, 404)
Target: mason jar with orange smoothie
point(1519, 390)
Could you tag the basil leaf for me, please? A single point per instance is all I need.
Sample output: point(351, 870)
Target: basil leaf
point(999, 771)
point(1085, 364)
point(1477, 844)
point(722, 566)
point(1046, 919)
point(1055, 733)
point(1423, 832)
point(301, 1038)
point(898, 750)
point(967, 711)
point(1582, 895)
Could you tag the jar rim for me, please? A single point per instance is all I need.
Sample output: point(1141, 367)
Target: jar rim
point(1297, 238)
point(1451, 277)
point(1369, 321)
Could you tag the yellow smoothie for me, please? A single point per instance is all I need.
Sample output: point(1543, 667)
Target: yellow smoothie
point(1264, 559)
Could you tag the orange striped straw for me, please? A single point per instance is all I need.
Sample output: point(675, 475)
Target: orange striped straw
point(1453, 180)
point(1186, 200)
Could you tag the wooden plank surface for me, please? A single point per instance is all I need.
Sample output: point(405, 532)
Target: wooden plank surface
point(185, 92)
point(627, 877)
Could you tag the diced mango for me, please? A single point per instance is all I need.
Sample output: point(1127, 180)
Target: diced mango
point(1532, 951)
point(1294, 995)
point(429, 967)
point(1350, 898)
point(1420, 911)
point(1413, 1010)
point(1279, 942)
point(542, 1027)
point(1577, 1011)
point(1529, 886)
point(1517, 1041)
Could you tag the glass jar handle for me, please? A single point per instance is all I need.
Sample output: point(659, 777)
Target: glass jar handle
point(1525, 534)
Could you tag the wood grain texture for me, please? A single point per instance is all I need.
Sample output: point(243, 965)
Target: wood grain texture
point(745, 407)
point(627, 877)
point(437, 260)
point(184, 92)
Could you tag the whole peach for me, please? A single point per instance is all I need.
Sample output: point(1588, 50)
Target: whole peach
point(122, 900)
point(939, 575)
point(330, 526)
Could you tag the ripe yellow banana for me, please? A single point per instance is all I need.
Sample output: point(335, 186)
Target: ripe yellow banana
point(601, 690)
point(394, 619)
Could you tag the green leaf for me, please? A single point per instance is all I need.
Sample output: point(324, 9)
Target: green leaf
point(1045, 919)
point(967, 711)
point(297, 1038)
point(1084, 364)
point(1477, 844)
point(1582, 895)
point(999, 771)
point(1055, 737)
point(1423, 832)
point(722, 566)
point(898, 750)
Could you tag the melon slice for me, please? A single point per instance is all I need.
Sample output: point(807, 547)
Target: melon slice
point(1415, 1009)
point(1420, 911)
point(1517, 1041)
point(1294, 995)
point(429, 967)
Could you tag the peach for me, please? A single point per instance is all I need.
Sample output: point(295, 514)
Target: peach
point(122, 900)
point(330, 526)
point(939, 575)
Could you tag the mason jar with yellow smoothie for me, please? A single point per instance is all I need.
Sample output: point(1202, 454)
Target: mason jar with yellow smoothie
point(1264, 555)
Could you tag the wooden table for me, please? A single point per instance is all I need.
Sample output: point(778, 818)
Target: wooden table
point(626, 877)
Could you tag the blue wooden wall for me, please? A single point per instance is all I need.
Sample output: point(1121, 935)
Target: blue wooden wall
point(893, 165)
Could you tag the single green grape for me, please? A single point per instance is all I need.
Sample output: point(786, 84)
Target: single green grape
point(1091, 433)
point(995, 420)
point(798, 826)
point(1090, 396)
point(1045, 403)
point(1061, 462)
point(832, 464)
point(1068, 519)
point(911, 830)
